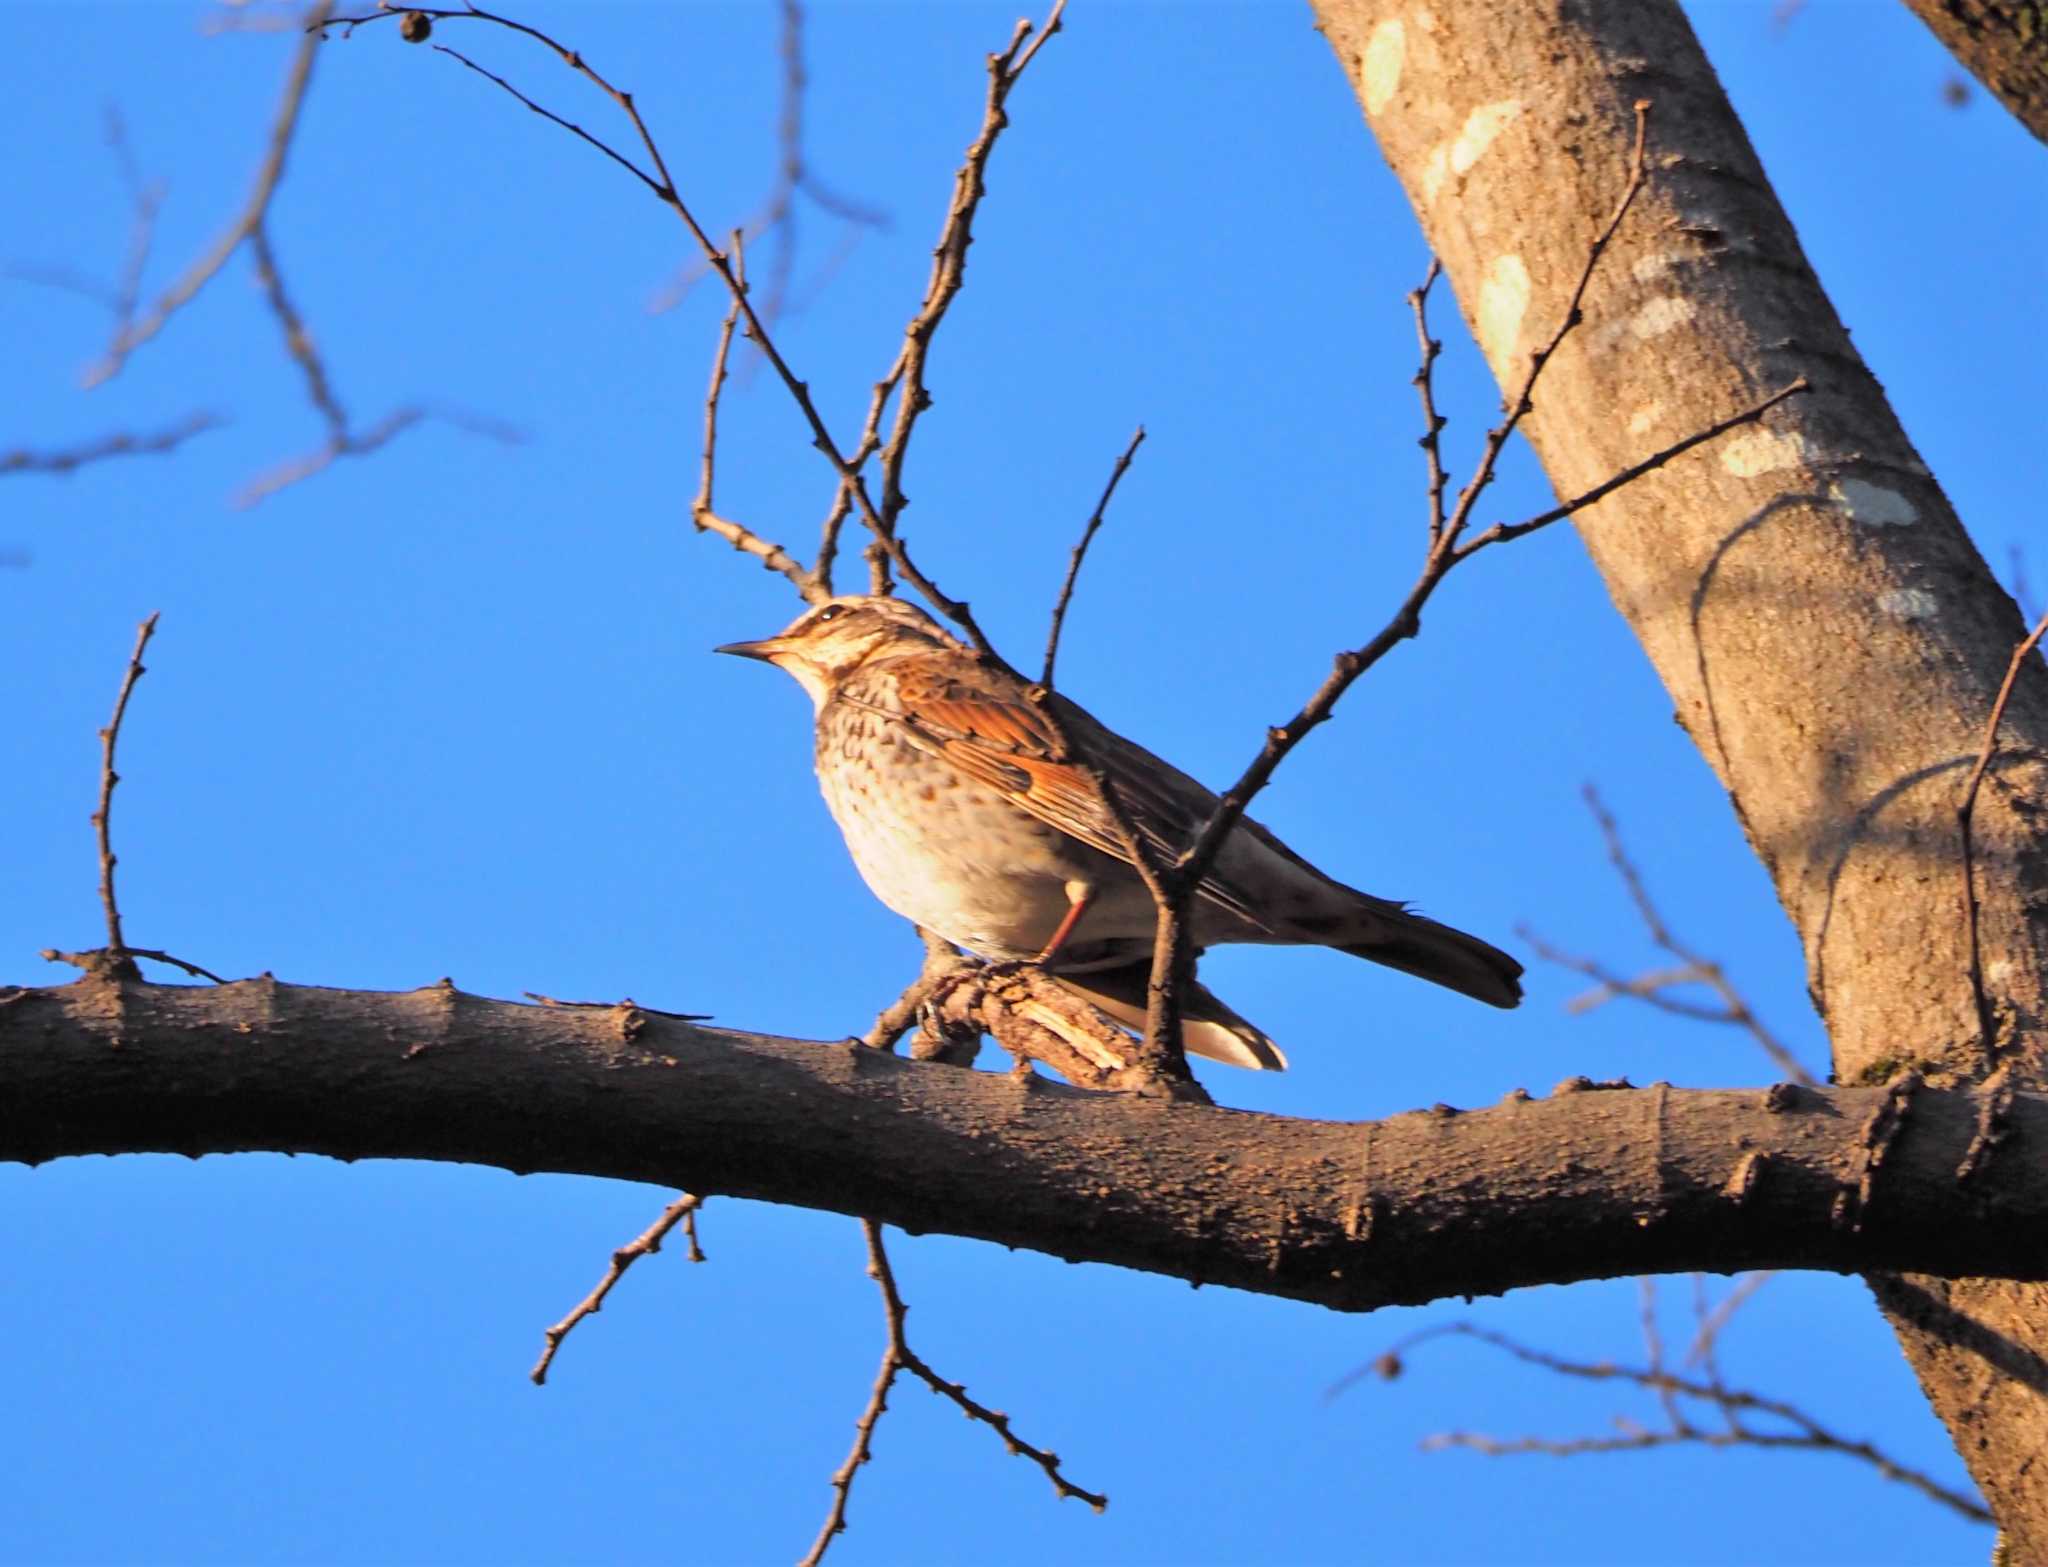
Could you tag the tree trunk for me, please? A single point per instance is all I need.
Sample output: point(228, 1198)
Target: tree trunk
point(2004, 44)
point(1830, 637)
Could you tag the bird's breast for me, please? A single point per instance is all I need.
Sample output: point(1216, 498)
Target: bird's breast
point(941, 848)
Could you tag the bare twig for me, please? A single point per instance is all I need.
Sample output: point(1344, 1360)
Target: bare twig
point(65, 280)
point(178, 963)
point(1502, 532)
point(298, 342)
point(1443, 554)
point(1448, 547)
point(663, 187)
point(1965, 823)
point(1059, 608)
point(1425, 389)
point(1653, 1348)
point(682, 1211)
point(120, 963)
point(1654, 988)
point(375, 438)
point(1806, 1433)
point(73, 458)
point(898, 1357)
point(776, 218)
point(861, 1451)
point(132, 334)
point(249, 227)
point(341, 441)
point(949, 264)
point(145, 200)
point(1711, 1320)
point(252, 16)
point(658, 186)
point(949, 271)
point(145, 197)
point(703, 511)
point(95, 962)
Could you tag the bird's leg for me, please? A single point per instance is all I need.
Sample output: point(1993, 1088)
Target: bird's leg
point(1079, 895)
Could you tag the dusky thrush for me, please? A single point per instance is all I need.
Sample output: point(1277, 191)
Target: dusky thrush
point(956, 787)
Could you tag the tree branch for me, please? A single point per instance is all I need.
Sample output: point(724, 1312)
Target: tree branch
point(1059, 607)
point(682, 1211)
point(1585, 1184)
point(1807, 1434)
point(124, 444)
point(130, 333)
point(899, 1357)
point(102, 816)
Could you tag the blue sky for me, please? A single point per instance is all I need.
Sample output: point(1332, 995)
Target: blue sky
point(450, 710)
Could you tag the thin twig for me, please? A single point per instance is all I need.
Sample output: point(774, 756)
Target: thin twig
point(1808, 1433)
point(657, 186)
point(241, 16)
point(663, 186)
point(132, 334)
point(949, 264)
point(1502, 532)
point(1965, 824)
point(175, 962)
point(682, 1211)
point(121, 965)
point(776, 218)
point(1821, 1441)
point(145, 200)
point(1714, 1321)
point(121, 445)
point(1654, 988)
point(1442, 555)
point(1653, 1348)
point(341, 441)
point(375, 438)
point(298, 342)
point(1425, 388)
point(706, 499)
point(1446, 550)
point(1059, 608)
point(703, 511)
point(861, 1452)
point(897, 1357)
point(949, 272)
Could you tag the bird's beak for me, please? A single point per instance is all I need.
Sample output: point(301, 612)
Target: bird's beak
point(765, 649)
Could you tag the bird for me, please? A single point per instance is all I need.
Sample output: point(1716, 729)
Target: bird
point(973, 804)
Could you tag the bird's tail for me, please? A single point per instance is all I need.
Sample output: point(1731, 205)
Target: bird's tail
point(1207, 1026)
point(1441, 955)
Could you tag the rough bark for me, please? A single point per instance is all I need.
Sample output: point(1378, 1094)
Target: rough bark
point(1830, 638)
point(2004, 44)
point(1590, 1183)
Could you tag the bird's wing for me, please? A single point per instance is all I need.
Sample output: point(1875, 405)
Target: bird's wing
point(1048, 763)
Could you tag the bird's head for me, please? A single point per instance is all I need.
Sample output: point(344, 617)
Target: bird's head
point(828, 641)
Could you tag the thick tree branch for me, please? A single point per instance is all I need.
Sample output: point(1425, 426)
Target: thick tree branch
point(1588, 1183)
